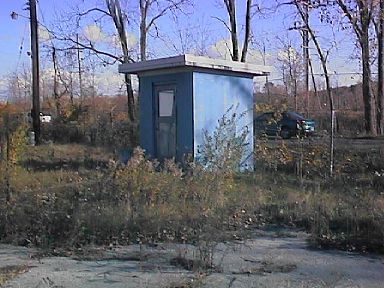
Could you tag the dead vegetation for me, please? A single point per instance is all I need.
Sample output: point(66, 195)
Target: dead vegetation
point(265, 267)
point(75, 195)
point(9, 272)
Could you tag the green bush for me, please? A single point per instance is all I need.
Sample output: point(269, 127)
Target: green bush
point(224, 149)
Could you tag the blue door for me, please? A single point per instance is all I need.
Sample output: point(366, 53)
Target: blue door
point(165, 122)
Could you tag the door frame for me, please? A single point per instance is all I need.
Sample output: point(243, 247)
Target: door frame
point(158, 87)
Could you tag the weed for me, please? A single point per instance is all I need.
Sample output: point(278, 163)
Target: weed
point(225, 149)
point(102, 202)
point(9, 272)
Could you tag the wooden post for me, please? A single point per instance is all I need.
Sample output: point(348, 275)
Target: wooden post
point(35, 113)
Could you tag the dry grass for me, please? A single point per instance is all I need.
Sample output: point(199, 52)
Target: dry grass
point(75, 195)
point(268, 267)
point(9, 272)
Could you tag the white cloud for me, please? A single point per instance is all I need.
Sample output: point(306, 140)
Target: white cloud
point(222, 49)
point(256, 57)
point(44, 34)
point(131, 38)
point(288, 55)
point(94, 33)
point(3, 90)
point(110, 82)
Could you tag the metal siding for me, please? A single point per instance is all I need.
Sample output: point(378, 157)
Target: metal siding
point(184, 122)
point(147, 129)
point(213, 95)
point(184, 115)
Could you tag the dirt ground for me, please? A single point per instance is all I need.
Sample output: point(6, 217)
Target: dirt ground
point(268, 259)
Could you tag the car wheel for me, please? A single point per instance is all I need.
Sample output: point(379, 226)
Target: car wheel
point(285, 133)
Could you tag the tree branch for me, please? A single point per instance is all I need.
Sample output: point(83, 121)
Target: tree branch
point(92, 48)
point(247, 31)
point(93, 10)
point(222, 21)
point(351, 19)
point(173, 5)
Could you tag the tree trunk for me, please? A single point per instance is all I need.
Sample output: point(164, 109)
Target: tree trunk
point(8, 192)
point(131, 99)
point(231, 8)
point(143, 30)
point(247, 31)
point(380, 72)
point(323, 60)
point(79, 72)
point(369, 100)
point(55, 85)
point(330, 98)
point(143, 44)
point(115, 11)
point(360, 21)
point(314, 85)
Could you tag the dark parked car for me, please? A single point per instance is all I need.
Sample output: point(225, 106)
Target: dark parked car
point(287, 124)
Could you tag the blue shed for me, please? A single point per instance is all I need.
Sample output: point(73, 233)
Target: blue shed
point(183, 96)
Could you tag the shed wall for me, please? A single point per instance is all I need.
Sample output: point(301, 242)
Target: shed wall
point(183, 99)
point(213, 95)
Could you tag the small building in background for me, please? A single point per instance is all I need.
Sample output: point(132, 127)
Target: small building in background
point(183, 97)
point(44, 117)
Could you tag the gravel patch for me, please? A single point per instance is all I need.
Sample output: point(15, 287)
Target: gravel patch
point(263, 261)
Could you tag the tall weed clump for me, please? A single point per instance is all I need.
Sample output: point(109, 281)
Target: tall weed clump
point(351, 221)
point(166, 202)
point(144, 200)
point(224, 150)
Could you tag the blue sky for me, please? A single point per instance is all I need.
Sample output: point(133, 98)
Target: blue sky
point(13, 33)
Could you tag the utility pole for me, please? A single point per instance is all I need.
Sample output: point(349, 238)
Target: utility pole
point(306, 52)
point(305, 44)
point(266, 77)
point(35, 112)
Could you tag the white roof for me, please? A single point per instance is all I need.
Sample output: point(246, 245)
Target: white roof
point(189, 60)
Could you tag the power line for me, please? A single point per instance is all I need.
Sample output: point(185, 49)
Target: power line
point(21, 47)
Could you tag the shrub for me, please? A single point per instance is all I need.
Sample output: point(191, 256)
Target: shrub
point(224, 149)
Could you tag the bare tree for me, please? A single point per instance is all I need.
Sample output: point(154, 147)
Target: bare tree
point(247, 31)
point(261, 46)
point(158, 9)
point(379, 27)
point(189, 38)
point(117, 17)
point(380, 89)
point(56, 75)
point(359, 14)
point(231, 9)
point(291, 67)
point(230, 6)
point(323, 59)
point(150, 10)
point(113, 11)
